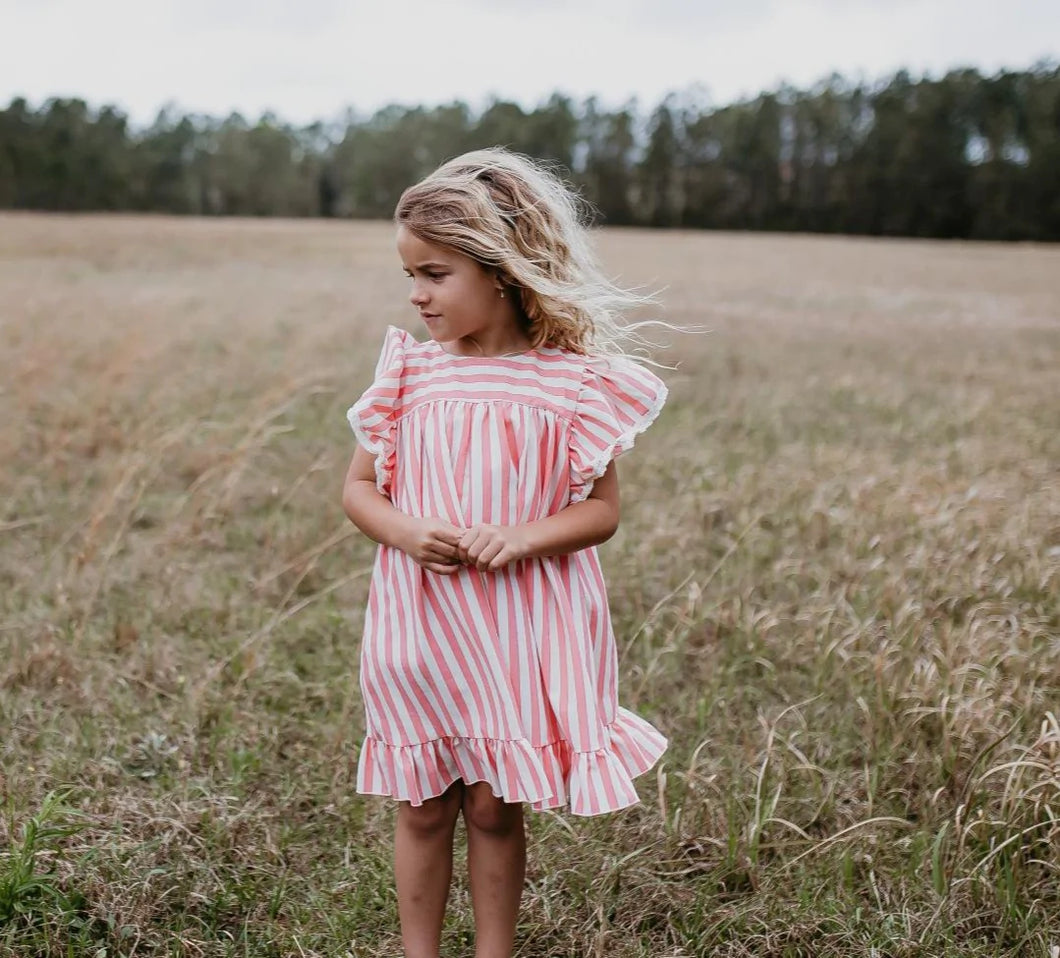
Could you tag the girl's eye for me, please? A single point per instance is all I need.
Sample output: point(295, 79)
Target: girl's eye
point(436, 276)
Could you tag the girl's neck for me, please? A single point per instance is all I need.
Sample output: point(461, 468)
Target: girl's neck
point(492, 345)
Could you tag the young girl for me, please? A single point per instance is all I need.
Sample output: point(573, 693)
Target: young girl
point(484, 470)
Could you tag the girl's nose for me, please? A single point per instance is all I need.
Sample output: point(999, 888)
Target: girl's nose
point(418, 296)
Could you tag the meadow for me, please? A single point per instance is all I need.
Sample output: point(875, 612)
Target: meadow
point(835, 588)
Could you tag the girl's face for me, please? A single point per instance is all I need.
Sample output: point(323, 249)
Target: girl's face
point(455, 296)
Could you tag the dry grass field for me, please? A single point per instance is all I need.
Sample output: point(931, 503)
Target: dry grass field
point(835, 588)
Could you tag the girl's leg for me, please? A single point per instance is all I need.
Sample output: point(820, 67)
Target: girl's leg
point(496, 863)
point(423, 868)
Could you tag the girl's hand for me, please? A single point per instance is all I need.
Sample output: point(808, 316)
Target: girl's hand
point(489, 547)
point(432, 543)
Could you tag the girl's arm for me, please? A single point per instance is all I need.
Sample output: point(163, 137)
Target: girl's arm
point(430, 541)
point(366, 507)
point(577, 526)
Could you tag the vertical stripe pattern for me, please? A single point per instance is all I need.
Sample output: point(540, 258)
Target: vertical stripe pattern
point(506, 677)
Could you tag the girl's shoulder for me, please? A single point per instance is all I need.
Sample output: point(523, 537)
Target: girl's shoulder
point(623, 380)
point(618, 400)
point(398, 344)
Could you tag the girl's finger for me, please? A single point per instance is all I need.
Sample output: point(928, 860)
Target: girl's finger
point(500, 560)
point(477, 548)
point(452, 535)
point(466, 545)
point(441, 569)
point(488, 554)
point(448, 539)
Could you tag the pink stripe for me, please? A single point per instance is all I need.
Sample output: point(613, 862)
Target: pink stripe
point(476, 667)
point(469, 679)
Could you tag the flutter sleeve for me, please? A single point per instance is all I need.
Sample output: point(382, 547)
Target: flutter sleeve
point(373, 418)
point(618, 400)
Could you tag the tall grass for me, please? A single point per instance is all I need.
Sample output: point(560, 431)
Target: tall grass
point(835, 588)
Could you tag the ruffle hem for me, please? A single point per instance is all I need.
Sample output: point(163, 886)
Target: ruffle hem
point(546, 777)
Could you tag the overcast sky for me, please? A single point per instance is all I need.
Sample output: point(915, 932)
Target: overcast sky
point(308, 59)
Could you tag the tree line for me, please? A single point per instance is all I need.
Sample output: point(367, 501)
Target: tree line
point(964, 155)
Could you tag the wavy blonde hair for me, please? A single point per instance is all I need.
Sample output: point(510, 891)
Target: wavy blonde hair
point(517, 218)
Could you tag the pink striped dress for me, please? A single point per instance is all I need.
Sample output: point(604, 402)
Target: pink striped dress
point(507, 677)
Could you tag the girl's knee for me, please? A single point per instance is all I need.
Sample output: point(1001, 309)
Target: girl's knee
point(435, 814)
point(484, 812)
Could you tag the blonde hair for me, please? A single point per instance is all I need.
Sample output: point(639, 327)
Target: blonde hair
point(518, 218)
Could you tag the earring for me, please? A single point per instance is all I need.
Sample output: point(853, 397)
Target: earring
point(502, 294)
